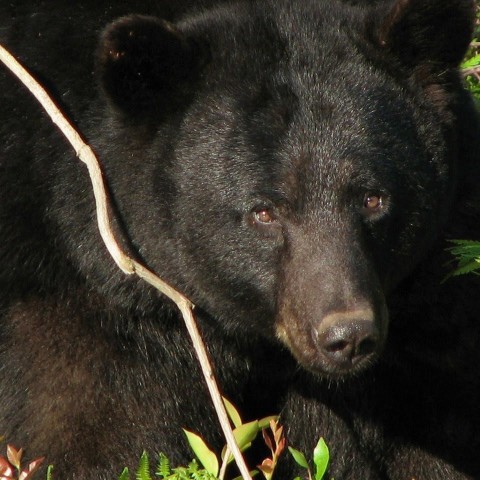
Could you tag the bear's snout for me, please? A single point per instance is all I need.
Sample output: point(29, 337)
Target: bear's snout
point(342, 342)
point(331, 310)
point(347, 339)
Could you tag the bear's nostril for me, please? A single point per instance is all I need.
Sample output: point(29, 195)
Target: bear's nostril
point(367, 346)
point(339, 346)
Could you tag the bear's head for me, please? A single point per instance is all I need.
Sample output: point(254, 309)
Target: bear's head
point(284, 163)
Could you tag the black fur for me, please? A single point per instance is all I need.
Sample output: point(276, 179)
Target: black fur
point(240, 141)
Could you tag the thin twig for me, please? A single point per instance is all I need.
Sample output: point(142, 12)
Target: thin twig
point(474, 71)
point(223, 468)
point(126, 263)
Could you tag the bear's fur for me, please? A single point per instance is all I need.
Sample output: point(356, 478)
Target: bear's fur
point(296, 168)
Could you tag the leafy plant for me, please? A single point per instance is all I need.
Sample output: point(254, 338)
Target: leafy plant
point(467, 253)
point(206, 456)
point(164, 472)
point(471, 65)
point(11, 467)
point(49, 472)
point(244, 433)
point(276, 442)
point(321, 458)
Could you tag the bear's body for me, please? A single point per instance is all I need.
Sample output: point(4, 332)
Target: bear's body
point(295, 168)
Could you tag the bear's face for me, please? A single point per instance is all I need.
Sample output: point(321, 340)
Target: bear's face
point(295, 162)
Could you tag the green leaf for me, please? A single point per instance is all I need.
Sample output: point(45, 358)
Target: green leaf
point(465, 248)
point(232, 412)
point(50, 474)
point(321, 456)
point(180, 473)
point(244, 436)
point(246, 433)
point(299, 457)
point(163, 467)
point(125, 475)
point(206, 457)
point(467, 253)
point(265, 422)
point(471, 62)
point(143, 470)
point(469, 267)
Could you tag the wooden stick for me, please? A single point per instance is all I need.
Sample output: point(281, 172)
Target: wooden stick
point(126, 263)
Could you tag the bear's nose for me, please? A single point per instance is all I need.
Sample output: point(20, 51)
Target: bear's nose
point(347, 339)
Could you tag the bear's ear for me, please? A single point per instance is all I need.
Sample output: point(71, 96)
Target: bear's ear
point(436, 32)
point(147, 66)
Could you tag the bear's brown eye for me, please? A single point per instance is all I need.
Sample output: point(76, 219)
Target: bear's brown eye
point(372, 202)
point(263, 215)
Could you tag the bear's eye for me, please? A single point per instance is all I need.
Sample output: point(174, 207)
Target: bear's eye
point(263, 216)
point(373, 203)
point(265, 220)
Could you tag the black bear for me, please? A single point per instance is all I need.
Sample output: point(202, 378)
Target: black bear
point(296, 167)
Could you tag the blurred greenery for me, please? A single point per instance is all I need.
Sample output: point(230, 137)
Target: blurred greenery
point(471, 64)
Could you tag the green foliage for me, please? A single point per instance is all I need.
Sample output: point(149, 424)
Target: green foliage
point(321, 458)
point(164, 472)
point(125, 475)
point(232, 412)
point(274, 440)
point(299, 457)
point(206, 456)
point(245, 433)
point(143, 470)
point(163, 467)
point(471, 64)
point(192, 472)
point(467, 253)
point(49, 472)
point(474, 86)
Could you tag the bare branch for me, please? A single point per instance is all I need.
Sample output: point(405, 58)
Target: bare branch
point(125, 263)
point(473, 71)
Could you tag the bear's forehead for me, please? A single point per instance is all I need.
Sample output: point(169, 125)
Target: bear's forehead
point(307, 36)
point(288, 56)
point(296, 102)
